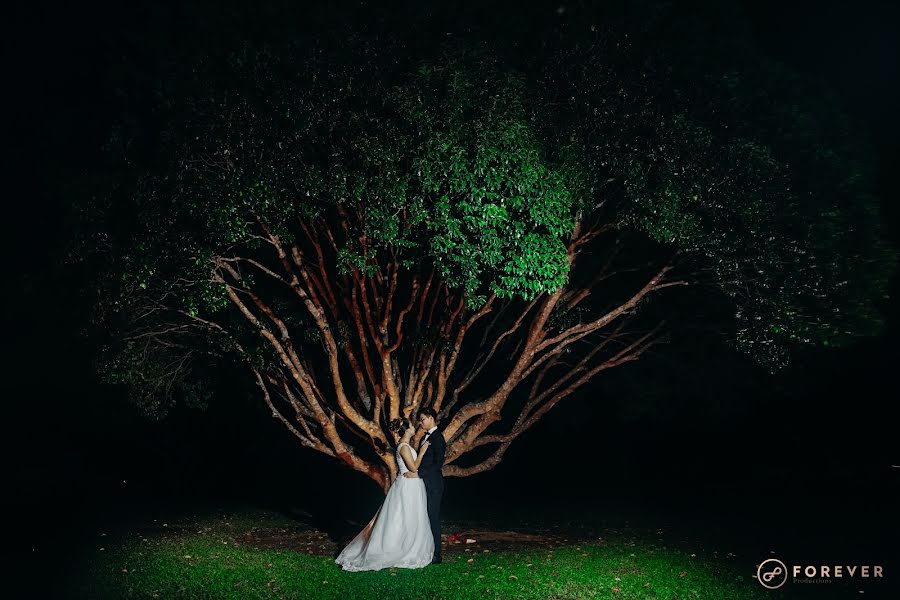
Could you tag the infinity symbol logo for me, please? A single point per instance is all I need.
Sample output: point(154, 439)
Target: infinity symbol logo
point(772, 573)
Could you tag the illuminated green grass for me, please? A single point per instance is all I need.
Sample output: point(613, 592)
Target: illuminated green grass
point(199, 559)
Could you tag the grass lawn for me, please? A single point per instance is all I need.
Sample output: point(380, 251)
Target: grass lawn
point(210, 557)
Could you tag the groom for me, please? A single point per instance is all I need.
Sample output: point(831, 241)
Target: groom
point(430, 472)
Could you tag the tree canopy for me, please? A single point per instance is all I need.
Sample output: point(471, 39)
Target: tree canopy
point(353, 173)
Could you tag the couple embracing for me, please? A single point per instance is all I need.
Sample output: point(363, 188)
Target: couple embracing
point(406, 530)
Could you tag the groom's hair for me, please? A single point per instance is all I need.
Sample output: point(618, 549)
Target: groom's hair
point(428, 412)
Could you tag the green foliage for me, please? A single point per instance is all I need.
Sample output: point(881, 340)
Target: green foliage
point(480, 166)
point(441, 164)
point(495, 212)
point(154, 378)
point(438, 162)
point(706, 146)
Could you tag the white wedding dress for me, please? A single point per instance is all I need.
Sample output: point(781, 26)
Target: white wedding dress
point(399, 535)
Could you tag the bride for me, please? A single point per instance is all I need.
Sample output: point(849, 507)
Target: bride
point(399, 535)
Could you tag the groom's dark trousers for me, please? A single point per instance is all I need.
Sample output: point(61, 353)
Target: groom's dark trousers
point(430, 472)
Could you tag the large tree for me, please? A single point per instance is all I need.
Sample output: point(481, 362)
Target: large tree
point(371, 231)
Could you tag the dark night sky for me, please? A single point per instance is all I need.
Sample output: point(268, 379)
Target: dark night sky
point(714, 421)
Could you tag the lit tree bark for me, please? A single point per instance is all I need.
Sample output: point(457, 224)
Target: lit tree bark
point(338, 396)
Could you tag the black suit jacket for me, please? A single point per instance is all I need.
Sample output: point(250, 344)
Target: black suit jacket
point(433, 461)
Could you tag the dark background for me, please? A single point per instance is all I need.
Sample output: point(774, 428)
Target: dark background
point(693, 435)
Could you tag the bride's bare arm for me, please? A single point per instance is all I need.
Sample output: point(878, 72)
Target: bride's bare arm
point(406, 455)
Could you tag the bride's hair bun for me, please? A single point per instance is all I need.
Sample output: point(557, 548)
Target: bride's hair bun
point(399, 425)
